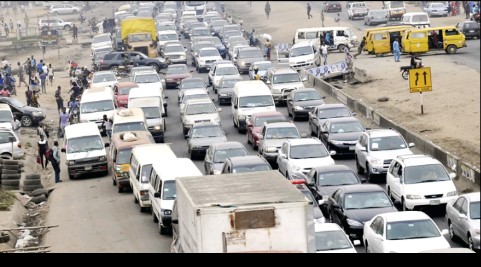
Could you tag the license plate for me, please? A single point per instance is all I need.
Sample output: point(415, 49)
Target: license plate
point(352, 147)
point(88, 167)
point(435, 202)
point(471, 31)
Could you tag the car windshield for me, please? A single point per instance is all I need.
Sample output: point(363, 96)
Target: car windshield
point(333, 113)
point(306, 96)
point(125, 90)
point(301, 51)
point(425, 174)
point(151, 112)
point(101, 78)
point(256, 101)
point(378, 13)
point(123, 156)
point(264, 66)
point(84, 144)
point(227, 71)
point(474, 210)
point(150, 78)
point(169, 190)
point(411, 230)
point(208, 131)
point(229, 83)
point(261, 120)
point(6, 116)
point(180, 69)
point(332, 240)
point(139, 38)
point(209, 53)
point(286, 78)
point(346, 127)
point(129, 127)
point(96, 106)
point(251, 168)
point(366, 200)
point(186, 84)
point(221, 155)
point(397, 4)
point(387, 143)
point(282, 133)
point(101, 39)
point(173, 49)
point(308, 151)
point(197, 109)
point(337, 178)
point(200, 32)
point(14, 102)
point(168, 37)
point(250, 54)
point(165, 27)
point(196, 96)
point(145, 173)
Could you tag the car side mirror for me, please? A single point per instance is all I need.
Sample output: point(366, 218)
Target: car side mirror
point(157, 195)
point(452, 175)
point(462, 216)
point(445, 231)
point(411, 145)
point(332, 152)
point(235, 106)
point(219, 109)
point(62, 150)
point(175, 221)
point(107, 145)
point(354, 114)
point(363, 149)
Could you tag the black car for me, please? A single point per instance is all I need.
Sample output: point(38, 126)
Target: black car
point(29, 116)
point(470, 29)
point(352, 205)
point(245, 164)
point(341, 134)
point(324, 180)
point(301, 101)
point(317, 213)
point(226, 89)
point(318, 115)
point(332, 6)
point(113, 60)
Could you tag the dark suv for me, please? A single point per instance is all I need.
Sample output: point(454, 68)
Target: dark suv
point(113, 60)
point(29, 116)
point(332, 6)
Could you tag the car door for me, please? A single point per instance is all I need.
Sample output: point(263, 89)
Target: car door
point(361, 149)
point(462, 224)
point(324, 133)
point(282, 160)
point(394, 184)
point(370, 235)
point(208, 161)
point(335, 207)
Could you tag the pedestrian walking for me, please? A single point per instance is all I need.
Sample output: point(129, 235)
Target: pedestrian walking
point(43, 82)
point(348, 59)
point(322, 18)
point(64, 118)
point(42, 149)
point(108, 128)
point(28, 96)
point(360, 47)
point(267, 9)
point(55, 161)
point(50, 73)
point(268, 47)
point(252, 39)
point(309, 16)
point(466, 9)
point(75, 32)
point(337, 19)
point(324, 49)
point(16, 126)
point(59, 99)
point(21, 75)
point(45, 68)
point(396, 50)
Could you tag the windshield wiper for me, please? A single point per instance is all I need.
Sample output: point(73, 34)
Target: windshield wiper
point(429, 181)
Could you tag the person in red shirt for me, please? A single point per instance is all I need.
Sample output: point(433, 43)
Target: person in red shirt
point(4, 92)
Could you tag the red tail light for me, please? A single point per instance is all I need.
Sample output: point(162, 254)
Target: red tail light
point(298, 182)
point(19, 145)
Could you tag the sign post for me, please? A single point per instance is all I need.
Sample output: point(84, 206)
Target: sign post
point(420, 81)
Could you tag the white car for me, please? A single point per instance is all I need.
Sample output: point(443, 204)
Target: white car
point(419, 181)
point(102, 79)
point(101, 40)
point(6, 146)
point(298, 156)
point(463, 219)
point(191, 94)
point(304, 55)
point(219, 70)
point(64, 9)
point(206, 57)
point(436, 9)
point(357, 10)
point(376, 148)
point(403, 232)
point(199, 111)
point(330, 238)
point(149, 80)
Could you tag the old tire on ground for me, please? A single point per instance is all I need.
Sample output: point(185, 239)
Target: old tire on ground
point(9, 171)
point(32, 176)
point(10, 187)
point(32, 182)
point(11, 182)
point(21, 164)
point(10, 176)
point(10, 162)
point(30, 188)
point(38, 192)
point(4, 238)
point(11, 167)
point(38, 199)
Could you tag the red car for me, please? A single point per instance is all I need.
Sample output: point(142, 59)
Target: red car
point(121, 92)
point(175, 74)
point(255, 123)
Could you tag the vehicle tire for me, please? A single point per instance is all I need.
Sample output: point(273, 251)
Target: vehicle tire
point(341, 48)
point(32, 182)
point(39, 199)
point(71, 177)
point(452, 234)
point(367, 248)
point(470, 242)
point(369, 175)
point(26, 121)
point(359, 169)
point(162, 230)
point(10, 176)
point(405, 75)
point(4, 238)
point(287, 175)
point(11, 167)
point(32, 176)
point(403, 205)
point(67, 28)
point(155, 66)
point(233, 120)
point(39, 192)
point(451, 49)
point(11, 182)
point(294, 117)
point(114, 183)
point(389, 194)
point(120, 189)
point(30, 188)
point(142, 209)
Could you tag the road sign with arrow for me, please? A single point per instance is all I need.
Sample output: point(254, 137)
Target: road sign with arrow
point(420, 80)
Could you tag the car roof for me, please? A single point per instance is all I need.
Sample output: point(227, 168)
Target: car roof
point(329, 106)
point(373, 133)
point(325, 227)
point(304, 141)
point(247, 160)
point(343, 119)
point(142, 137)
point(303, 90)
point(361, 188)
point(227, 145)
point(279, 124)
point(332, 168)
point(405, 216)
point(121, 85)
point(417, 160)
point(268, 114)
point(472, 196)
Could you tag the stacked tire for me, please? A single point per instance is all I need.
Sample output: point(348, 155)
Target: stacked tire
point(11, 174)
point(32, 182)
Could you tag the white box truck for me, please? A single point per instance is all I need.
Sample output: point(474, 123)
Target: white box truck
point(245, 212)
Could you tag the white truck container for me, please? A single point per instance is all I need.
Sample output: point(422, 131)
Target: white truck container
point(254, 212)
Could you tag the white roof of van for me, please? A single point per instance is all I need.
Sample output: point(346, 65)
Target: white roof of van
point(148, 154)
point(97, 94)
point(82, 129)
point(254, 87)
point(179, 167)
point(143, 92)
point(322, 29)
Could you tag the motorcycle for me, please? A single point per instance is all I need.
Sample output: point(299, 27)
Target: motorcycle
point(93, 25)
point(405, 69)
point(476, 17)
point(82, 19)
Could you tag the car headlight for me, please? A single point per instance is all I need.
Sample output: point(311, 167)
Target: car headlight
point(413, 196)
point(166, 212)
point(298, 108)
point(452, 194)
point(37, 113)
point(242, 117)
point(201, 62)
point(102, 158)
point(182, 57)
point(71, 162)
point(243, 64)
point(476, 231)
point(224, 95)
point(271, 149)
point(217, 120)
point(217, 172)
point(353, 222)
point(295, 168)
point(276, 90)
point(157, 128)
point(376, 161)
point(334, 142)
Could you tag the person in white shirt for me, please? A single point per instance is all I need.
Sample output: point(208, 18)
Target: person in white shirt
point(324, 52)
point(16, 126)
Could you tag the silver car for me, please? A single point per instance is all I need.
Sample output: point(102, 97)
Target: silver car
point(463, 219)
point(247, 56)
point(375, 17)
point(199, 111)
point(9, 141)
point(217, 154)
point(436, 9)
point(201, 136)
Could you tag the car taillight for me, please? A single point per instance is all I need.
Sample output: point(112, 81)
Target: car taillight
point(19, 145)
point(297, 181)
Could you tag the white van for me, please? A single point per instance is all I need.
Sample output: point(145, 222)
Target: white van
point(304, 55)
point(162, 190)
point(6, 117)
point(166, 36)
point(95, 103)
point(250, 97)
point(151, 103)
point(141, 161)
point(342, 36)
point(128, 120)
point(85, 150)
point(416, 19)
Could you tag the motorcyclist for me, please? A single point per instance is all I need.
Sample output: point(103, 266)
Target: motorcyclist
point(73, 106)
point(414, 64)
point(75, 91)
point(85, 75)
point(256, 74)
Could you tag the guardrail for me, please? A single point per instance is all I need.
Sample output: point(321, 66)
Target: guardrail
point(462, 169)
